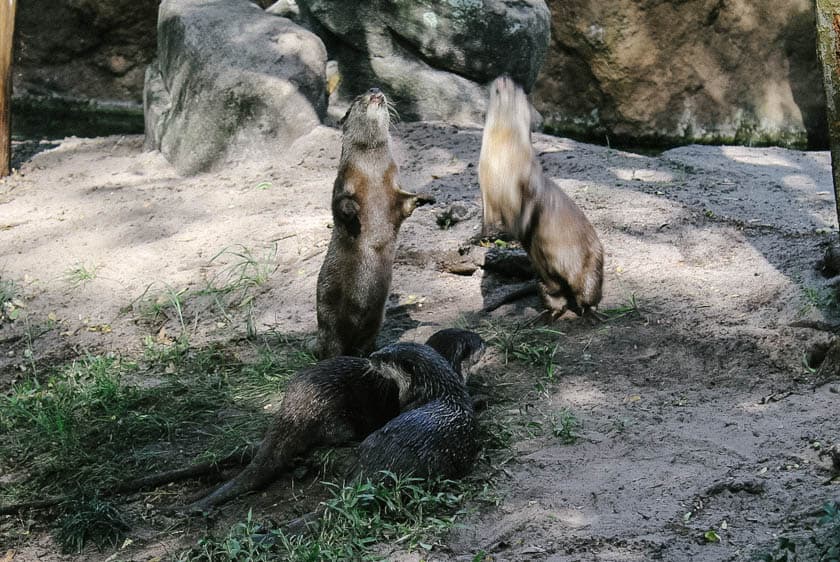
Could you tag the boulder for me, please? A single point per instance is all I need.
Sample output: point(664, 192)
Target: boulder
point(733, 71)
point(230, 83)
point(432, 57)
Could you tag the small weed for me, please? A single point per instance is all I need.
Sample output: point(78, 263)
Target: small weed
point(11, 301)
point(170, 303)
point(630, 307)
point(242, 542)
point(824, 299)
point(89, 519)
point(80, 274)
point(565, 426)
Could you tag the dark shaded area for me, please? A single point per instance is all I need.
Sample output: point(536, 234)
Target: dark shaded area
point(800, 47)
point(84, 48)
point(51, 118)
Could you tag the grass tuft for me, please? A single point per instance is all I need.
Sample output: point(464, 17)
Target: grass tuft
point(536, 346)
point(80, 274)
point(89, 519)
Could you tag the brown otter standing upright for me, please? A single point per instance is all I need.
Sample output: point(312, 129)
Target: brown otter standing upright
point(560, 241)
point(368, 208)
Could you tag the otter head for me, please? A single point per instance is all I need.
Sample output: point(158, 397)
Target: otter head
point(509, 108)
point(366, 122)
point(419, 371)
point(462, 348)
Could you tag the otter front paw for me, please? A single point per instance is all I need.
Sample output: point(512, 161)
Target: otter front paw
point(346, 209)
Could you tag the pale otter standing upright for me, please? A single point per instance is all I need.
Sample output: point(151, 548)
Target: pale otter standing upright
point(368, 208)
point(559, 239)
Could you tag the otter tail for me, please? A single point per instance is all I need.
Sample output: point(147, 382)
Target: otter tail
point(273, 455)
point(591, 291)
point(521, 291)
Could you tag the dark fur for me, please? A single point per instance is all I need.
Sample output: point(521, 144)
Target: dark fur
point(436, 435)
point(368, 208)
point(345, 399)
point(338, 400)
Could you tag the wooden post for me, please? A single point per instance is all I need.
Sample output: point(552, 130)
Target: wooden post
point(828, 47)
point(7, 31)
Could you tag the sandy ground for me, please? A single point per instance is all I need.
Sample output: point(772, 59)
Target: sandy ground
point(699, 404)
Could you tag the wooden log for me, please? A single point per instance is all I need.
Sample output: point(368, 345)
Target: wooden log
point(7, 31)
point(828, 47)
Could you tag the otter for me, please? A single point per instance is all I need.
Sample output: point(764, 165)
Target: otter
point(561, 243)
point(345, 399)
point(436, 433)
point(368, 207)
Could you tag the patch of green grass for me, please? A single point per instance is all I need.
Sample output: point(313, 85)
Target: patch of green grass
point(536, 346)
point(630, 307)
point(89, 519)
point(400, 512)
point(821, 544)
point(80, 274)
point(245, 271)
point(102, 419)
point(11, 301)
point(823, 299)
point(242, 542)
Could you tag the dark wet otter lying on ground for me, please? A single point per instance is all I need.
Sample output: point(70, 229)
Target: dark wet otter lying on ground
point(561, 243)
point(368, 207)
point(436, 434)
point(347, 398)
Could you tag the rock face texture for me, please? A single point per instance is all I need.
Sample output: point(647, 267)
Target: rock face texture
point(741, 71)
point(91, 49)
point(231, 82)
point(433, 58)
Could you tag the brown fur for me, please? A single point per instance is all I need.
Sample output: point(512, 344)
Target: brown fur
point(561, 243)
point(368, 208)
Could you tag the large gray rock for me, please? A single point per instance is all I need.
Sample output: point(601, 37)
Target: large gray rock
point(433, 57)
point(742, 71)
point(231, 82)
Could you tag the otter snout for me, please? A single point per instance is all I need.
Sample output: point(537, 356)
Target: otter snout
point(376, 97)
point(503, 84)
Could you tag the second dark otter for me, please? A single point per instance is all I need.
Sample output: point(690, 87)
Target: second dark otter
point(436, 434)
point(347, 398)
point(368, 207)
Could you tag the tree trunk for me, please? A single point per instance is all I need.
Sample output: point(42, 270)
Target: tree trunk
point(7, 30)
point(828, 46)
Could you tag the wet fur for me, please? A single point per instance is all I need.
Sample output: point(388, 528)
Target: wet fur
point(436, 433)
point(345, 399)
point(560, 241)
point(368, 207)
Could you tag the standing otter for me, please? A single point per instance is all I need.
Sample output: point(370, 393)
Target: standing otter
point(346, 398)
point(561, 243)
point(368, 208)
